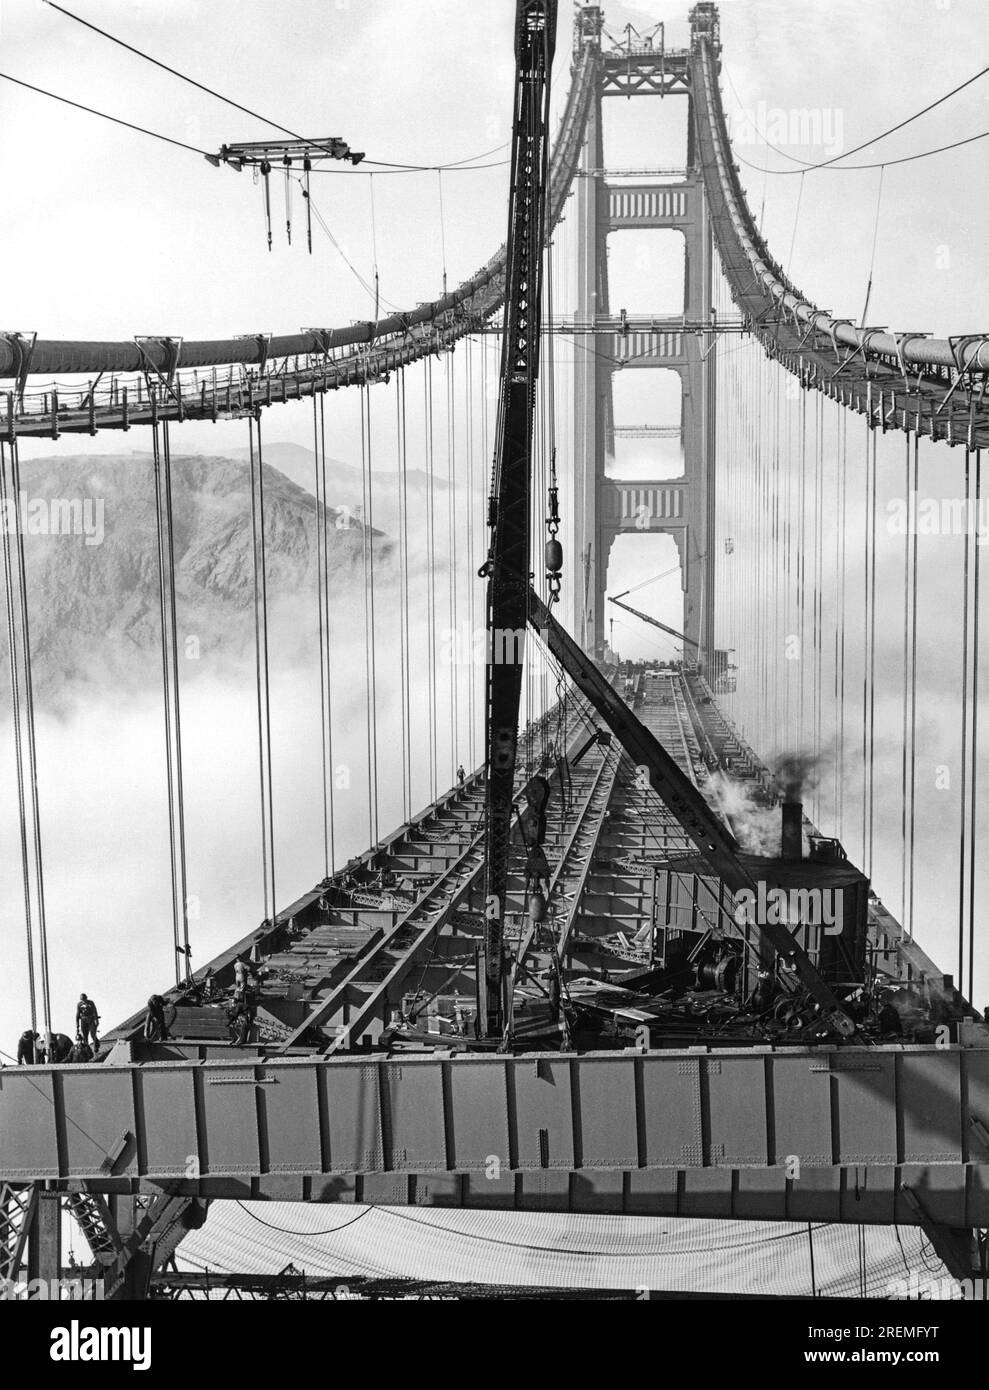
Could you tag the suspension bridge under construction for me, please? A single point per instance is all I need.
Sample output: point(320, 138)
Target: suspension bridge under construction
point(620, 963)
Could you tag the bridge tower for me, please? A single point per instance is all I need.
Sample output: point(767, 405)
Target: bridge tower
point(607, 506)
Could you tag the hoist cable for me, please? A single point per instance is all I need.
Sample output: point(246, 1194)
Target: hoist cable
point(372, 291)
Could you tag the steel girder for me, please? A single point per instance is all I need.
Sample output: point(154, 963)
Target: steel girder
point(16, 1212)
point(826, 1133)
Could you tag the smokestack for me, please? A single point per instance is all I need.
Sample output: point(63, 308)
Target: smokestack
point(791, 835)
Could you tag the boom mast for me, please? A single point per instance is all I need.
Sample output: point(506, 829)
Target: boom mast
point(507, 566)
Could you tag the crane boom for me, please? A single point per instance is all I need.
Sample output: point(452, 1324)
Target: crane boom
point(681, 637)
point(715, 842)
point(508, 565)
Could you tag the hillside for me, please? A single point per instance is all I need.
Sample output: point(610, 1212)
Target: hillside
point(94, 598)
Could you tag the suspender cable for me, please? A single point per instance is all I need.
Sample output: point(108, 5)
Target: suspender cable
point(451, 519)
point(818, 595)
point(842, 593)
point(872, 663)
point(866, 616)
point(469, 515)
point(169, 684)
point(430, 575)
point(261, 666)
point(802, 566)
point(165, 697)
point(973, 807)
point(485, 454)
point(370, 667)
point(326, 610)
point(779, 631)
point(905, 734)
point(439, 185)
point(374, 248)
point(963, 805)
point(875, 235)
point(912, 786)
point(403, 575)
point(15, 700)
point(323, 625)
point(32, 752)
point(796, 220)
point(176, 705)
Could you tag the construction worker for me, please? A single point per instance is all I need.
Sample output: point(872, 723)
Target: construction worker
point(87, 1020)
point(27, 1048)
point(61, 1048)
point(155, 1027)
point(460, 775)
point(81, 1052)
point(240, 1016)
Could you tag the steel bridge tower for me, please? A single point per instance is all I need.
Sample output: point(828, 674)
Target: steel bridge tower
point(607, 506)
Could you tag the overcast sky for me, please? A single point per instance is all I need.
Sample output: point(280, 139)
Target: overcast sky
point(106, 233)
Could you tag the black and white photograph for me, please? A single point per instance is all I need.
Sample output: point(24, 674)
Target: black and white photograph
point(494, 703)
